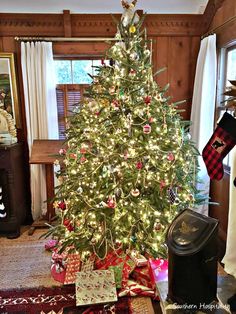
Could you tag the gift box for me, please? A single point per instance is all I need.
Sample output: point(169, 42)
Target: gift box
point(58, 268)
point(158, 269)
point(118, 258)
point(139, 259)
point(133, 289)
point(129, 266)
point(142, 276)
point(58, 273)
point(87, 265)
point(118, 273)
point(113, 258)
point(72, 267)
point(95, 287)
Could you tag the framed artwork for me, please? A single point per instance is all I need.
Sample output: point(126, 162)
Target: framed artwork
point(8, 89)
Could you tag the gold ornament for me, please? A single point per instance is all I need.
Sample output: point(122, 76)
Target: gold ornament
point(132, 29)
point(104, 102)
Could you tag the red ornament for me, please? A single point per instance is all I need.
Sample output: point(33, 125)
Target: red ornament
point(157, 226)
point(62, 151)
point(151, 119)
point(97, 113)
point(111, 203)
point(147, 129)
point(73, 156)
point(171, 157)
point(82, 159)
point(67, 224)
point(62, 205)
point(139, 165)
point(132, 72)
point(115, 103)
point(83, 150)
point(147, 100)
point(162, 184)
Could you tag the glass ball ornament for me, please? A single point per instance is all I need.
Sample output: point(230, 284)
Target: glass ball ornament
point(170, 157)
point(135, 192)
point(80, 190)
point(132, 29)
point(133, 239)
point(133, 56)
point(147, 129)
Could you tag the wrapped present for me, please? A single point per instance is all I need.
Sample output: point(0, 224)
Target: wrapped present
point(158, 269)
point(139, 259)
point(58, 273)
point(95, 287)
point(87, 265)
point(72, 267)
point(142, 276)
point(113, 258)
point(133, 289)
point(118, 258)
point(118, 272)
point(129, 266)
point(142, 305)
point(58, 268)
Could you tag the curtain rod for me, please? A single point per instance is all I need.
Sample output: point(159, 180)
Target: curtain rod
point(66, 39)
point(233, 18)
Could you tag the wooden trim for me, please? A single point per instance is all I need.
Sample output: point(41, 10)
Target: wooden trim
point(67, 23)
point(210, 11)
point(76, 25)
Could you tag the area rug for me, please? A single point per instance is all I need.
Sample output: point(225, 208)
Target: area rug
point(24, 263)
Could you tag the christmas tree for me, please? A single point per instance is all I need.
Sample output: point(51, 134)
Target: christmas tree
point(129, 166)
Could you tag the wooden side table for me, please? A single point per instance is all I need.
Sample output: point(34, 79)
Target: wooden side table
point(43, 153)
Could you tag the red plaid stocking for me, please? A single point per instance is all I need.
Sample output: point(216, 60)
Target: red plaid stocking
point(219, 145)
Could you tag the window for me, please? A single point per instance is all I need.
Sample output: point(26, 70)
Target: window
point(68, 96)
point(227, 72)
point(72, 80)
point(75, 71)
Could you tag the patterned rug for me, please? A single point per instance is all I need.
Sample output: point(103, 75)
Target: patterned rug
point(24, 263)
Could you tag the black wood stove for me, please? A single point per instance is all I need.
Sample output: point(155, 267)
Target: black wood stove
point(192, 247)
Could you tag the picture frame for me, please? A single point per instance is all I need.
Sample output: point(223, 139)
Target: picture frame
point(8, 87)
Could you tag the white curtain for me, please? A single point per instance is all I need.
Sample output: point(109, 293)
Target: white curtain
point(41, 111)
point(203, 107)
point(230, 255)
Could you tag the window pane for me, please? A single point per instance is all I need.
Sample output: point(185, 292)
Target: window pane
point(63, 71)
point(81, 68)
point(231, 66)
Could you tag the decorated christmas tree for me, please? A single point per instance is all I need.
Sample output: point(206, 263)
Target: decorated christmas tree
point(129, 166)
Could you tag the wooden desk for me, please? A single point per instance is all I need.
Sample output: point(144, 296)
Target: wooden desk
point(43, 153)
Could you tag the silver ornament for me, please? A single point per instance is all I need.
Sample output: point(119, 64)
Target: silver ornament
point(135, 192)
